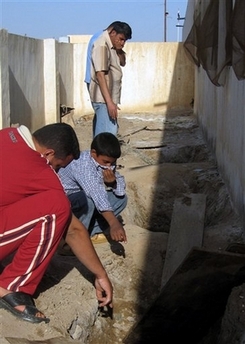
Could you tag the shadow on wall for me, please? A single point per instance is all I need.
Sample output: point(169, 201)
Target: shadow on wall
point(171, 149)
point(23, 108)
point(63, 94)
point(179, 85)
point(168, 150)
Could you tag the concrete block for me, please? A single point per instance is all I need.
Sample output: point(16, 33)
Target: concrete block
point(186, 231)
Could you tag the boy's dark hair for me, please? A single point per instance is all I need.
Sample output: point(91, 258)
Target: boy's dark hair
point(121, 27)
point(106, 144)
point(60, 137)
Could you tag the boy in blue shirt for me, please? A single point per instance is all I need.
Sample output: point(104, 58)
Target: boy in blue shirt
point(96, 189)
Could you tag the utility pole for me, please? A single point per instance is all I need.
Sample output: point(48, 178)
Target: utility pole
point(165, 21)
point(179, 25)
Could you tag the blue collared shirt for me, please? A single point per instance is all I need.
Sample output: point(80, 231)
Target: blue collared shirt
point(89, 56)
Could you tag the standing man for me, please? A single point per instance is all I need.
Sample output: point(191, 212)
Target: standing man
point(105, 56)
point(35, 214)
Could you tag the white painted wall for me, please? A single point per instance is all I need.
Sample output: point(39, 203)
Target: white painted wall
point(44, 74)
point(221, 114)
point(51, 82)
point(81, 100)
point(157, 76)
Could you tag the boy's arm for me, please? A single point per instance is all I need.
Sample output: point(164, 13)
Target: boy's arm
point(114, 180)
point(117, 231)
point(96, 191)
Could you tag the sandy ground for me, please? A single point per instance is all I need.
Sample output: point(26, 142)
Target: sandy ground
point(163, 156)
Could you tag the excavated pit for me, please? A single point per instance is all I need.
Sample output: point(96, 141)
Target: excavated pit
point(163, 157)
point(170, 158)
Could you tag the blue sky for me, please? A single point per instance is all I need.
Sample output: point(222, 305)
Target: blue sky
point(54, 19)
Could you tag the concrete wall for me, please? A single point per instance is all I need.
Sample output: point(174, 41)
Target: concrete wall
point(26, 80)
point(157, 76)
point(221, 114)
point(4, 81)
point(50, 82)
point(81, 100)
point(66, 72)
point(39, 75)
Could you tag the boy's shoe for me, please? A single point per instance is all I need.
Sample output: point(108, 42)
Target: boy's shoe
point(99, 238)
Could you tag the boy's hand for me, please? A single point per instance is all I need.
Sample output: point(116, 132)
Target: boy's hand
point(117, 232)
point(109, 177)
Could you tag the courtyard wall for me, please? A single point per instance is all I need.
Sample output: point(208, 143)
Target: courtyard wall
point(37, 76)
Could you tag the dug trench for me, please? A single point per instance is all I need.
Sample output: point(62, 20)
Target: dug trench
point(164, 156)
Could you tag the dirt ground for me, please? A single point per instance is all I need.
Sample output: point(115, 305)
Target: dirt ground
point(163, 157)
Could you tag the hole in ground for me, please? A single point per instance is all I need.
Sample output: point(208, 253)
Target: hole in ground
point(161, 176)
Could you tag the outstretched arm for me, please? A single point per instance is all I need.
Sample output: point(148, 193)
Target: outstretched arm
point(117, 231)
point(78, 239)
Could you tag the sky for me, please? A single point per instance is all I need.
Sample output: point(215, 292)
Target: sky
point(56, 19)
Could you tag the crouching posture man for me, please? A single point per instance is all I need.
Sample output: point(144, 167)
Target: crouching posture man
point(35, 213)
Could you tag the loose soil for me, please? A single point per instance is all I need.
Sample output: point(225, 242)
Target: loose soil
point(163, 157)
